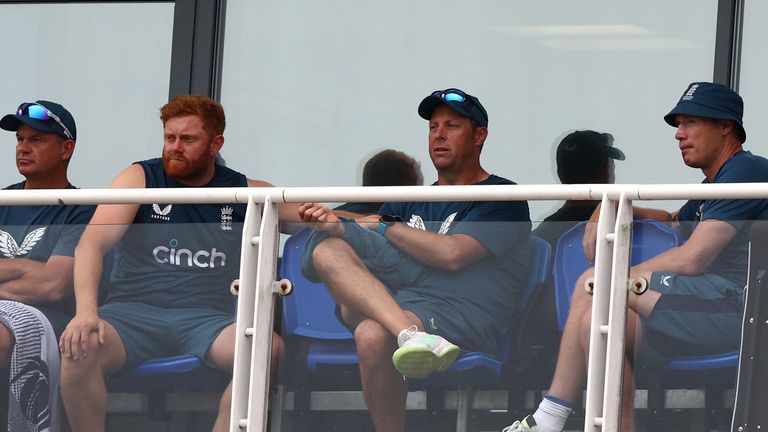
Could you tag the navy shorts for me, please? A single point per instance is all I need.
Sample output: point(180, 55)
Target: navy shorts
point(149, 332)
point(695, 316)
point(402, 275)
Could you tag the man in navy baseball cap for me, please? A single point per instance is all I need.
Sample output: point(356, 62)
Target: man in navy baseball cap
point(710, 100)
point(37, 299)
point(45, 116)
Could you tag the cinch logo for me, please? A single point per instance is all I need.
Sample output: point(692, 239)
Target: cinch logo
point(185, 257)
point(11, 249)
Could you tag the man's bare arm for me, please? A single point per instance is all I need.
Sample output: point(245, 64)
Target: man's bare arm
point(107, 226)
point(590, 230)
point(449, 252)
point(35, 282)
point(287, 213)
point(695, 255)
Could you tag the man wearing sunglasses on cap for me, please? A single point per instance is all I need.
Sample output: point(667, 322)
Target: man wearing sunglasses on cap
point(169, 292)
point(37, 245)
point(420, 280)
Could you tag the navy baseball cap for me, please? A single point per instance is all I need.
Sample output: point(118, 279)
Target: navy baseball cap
point(587, 145)
point(710, 100)
point(42, 115)
point(581, 155)
point(457, 100)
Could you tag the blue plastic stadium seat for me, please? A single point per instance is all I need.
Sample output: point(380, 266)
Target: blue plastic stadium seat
point(177, 364)
point(310, 312)
point(649, 239)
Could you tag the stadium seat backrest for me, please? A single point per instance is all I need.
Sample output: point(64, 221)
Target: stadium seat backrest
point(649, 238)
point(539, 268)
point(309, 310)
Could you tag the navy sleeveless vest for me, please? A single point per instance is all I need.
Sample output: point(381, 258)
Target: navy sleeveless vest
point(180, 255)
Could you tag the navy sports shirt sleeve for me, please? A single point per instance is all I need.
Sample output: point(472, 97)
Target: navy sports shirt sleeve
point(742, 168)
point(70, 232)
point(498, 225)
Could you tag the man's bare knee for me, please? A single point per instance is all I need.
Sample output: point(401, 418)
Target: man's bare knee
point(328, 254)
point(84, 365)
point(373, 341)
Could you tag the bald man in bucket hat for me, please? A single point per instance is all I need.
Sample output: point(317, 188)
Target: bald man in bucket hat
point(694, 302)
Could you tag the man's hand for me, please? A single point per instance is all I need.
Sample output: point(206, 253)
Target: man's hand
point(74, 339)
point(321, 218)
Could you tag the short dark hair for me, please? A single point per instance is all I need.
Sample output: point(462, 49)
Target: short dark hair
point(392, 168)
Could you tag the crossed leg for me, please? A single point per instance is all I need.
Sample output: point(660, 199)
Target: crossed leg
point(367, 305)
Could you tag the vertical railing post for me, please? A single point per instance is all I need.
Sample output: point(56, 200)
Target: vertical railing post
point(609, 302)
point(617, 317)
point(255, 308)
point(600, 298)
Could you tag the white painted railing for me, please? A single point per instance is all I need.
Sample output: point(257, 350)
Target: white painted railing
point(259, 245)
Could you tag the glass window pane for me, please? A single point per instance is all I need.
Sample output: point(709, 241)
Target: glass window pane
point(752, 81)
point(312, 89)
point(109, 64)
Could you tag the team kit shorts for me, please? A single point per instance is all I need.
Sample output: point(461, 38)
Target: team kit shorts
point(695, 316)
point(149, 332)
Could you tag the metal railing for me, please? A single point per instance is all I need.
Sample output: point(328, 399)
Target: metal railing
point(257, 284)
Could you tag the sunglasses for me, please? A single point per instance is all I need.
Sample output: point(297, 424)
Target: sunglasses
point(451, 95)
point(38, 112)
point(456, 95)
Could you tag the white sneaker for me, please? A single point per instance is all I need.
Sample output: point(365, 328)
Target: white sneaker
point(528, 424)
point(420, 354)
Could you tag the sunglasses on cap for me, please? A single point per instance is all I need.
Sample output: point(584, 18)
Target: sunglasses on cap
point(38, 112)
point(456, 95)
point(451, 95)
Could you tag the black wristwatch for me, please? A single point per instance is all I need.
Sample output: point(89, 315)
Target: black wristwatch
point(385, 221)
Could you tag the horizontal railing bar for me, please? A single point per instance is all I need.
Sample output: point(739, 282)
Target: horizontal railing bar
point(384, 194)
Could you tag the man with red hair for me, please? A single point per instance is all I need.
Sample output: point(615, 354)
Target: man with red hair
point(168, 293)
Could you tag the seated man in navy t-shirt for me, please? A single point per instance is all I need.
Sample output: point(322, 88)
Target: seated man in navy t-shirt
point(385, 168)
point(425, 276)
point(37, 245)
point(695, 297)
point(169, 290)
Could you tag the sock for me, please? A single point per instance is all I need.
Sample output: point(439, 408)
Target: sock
point(552, 414)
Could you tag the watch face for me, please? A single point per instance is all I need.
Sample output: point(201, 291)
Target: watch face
point(390, 218)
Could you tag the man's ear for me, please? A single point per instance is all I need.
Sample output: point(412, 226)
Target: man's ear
point(217, 144)
point(67, 149)
point(727, 126)
point(481, 133)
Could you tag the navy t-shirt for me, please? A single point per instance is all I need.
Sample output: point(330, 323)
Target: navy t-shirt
point(743, 167)
point(487, 289)
point(38, 232)
point(180, 255)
